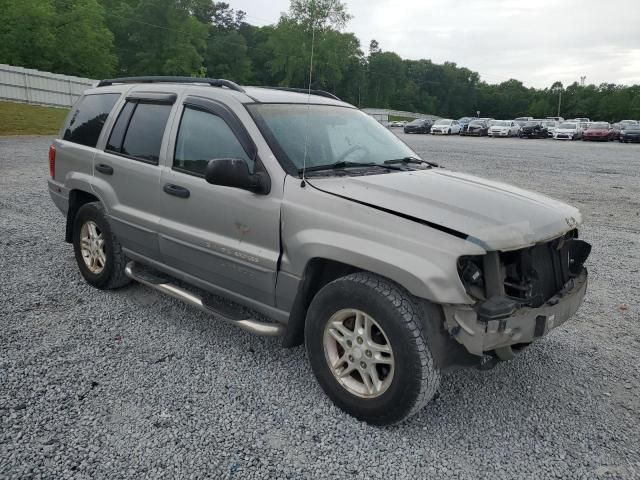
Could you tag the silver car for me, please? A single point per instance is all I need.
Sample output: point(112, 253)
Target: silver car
point(306, 211)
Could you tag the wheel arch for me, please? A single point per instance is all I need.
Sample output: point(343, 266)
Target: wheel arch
point(319, 271)
point(77, 198)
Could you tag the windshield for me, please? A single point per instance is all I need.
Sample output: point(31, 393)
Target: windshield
point(550, 124)
point(464, 119)
point(443, 122)
point(334, 134)
point(631, 126)
point(531, 124)
point(599, 125)
point(501, 123)
point(568, 126)
point(477, 122)
point(418, 121)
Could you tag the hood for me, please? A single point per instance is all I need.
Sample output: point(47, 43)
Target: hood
point(494, 215)
point(566, 130)
point(597, 130)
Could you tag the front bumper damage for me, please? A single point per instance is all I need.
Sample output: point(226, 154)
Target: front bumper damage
point(481, 336)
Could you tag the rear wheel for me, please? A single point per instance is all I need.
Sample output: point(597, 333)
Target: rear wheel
point(367, 349)
point(98, 253)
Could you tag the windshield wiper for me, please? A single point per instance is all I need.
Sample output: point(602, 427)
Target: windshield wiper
point(343, 164)
point(411, 160)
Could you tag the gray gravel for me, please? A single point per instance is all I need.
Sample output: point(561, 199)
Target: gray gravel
point(132, 384)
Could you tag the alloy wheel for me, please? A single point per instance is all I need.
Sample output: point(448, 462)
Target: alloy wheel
point(92, 247)
point(358, 353)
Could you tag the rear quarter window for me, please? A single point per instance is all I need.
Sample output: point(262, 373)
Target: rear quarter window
point(87, 118)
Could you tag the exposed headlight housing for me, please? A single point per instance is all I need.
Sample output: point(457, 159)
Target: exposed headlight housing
point(471, 275)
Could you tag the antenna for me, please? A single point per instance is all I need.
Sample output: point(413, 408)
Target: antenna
point(306, 133)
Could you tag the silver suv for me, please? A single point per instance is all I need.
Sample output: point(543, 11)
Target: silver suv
point(308, 213)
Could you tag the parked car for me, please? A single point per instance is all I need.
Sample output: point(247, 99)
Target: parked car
point(600, 131)
point(523, 120)
point(463, 122)
point(551, 126)
point(630, 132)
point(420, 125)
point(556, 119)
point(504, 128)
point(568, 131)
point(533, 129)
point(477, 128)
point(628, 122)
point(445, 126)
point(389, 269)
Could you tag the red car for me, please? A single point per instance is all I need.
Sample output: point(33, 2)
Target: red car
point(601, 131)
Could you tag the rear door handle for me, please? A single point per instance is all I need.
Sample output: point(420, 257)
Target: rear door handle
point(176, 190)
point(103, 168)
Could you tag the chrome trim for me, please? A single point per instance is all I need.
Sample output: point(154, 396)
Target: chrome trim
point(250, 325)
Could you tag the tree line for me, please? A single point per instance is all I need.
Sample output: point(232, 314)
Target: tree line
point(104, 38)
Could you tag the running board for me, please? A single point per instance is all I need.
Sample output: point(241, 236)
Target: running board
point(208, 305)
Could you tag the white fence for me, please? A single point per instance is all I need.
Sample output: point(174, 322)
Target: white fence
point(383, 114)
point(26, 85)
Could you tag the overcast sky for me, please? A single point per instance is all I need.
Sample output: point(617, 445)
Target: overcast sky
point(535, 41)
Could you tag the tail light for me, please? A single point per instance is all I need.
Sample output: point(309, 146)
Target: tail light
point(52, 161)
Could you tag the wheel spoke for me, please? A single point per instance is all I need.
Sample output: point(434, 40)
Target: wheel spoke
point(342, 330)
point(345, 371)
point(379, 348)
point(366, 379)
point(383, 360)
point(93, 232)
point(375, 378)
point(340, 361)
point(102, 258)
point(85, 243)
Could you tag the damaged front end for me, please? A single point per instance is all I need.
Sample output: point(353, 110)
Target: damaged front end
point(520, 295)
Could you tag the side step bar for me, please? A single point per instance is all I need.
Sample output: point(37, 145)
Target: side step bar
point(141, 275)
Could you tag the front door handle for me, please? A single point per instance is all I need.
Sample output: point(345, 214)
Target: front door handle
point(176, 190)
point(103, 168)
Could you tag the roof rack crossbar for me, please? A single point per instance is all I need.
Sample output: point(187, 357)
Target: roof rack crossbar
point(320, 93)
point(214, 82)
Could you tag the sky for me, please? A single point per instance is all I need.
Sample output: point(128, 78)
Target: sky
point(535, 41)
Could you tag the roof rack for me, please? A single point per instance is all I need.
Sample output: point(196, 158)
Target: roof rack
point(320, 93)
point(214, 82)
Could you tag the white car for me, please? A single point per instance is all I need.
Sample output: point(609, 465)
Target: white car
point(445, 126)
point(503, 128)
point(551, 125)
point(568, 131)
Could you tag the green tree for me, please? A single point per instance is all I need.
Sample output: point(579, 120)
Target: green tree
point(227, 57)
point(27, 38)
point(156, 37)
point(83, 43)
point(319, 14)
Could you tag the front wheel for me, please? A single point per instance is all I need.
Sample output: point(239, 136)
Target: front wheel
point(368, 351)
point(98, 252)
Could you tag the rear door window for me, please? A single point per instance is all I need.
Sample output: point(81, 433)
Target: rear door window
point(139, 130)
point(87, 119)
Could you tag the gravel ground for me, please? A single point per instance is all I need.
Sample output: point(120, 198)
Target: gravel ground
point(132, 384)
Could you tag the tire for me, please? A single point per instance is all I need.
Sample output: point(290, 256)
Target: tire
point(412, 380)
point(111, 275)
point(449, 132)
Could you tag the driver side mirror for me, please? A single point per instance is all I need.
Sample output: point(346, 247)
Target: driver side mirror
point(234, 172)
